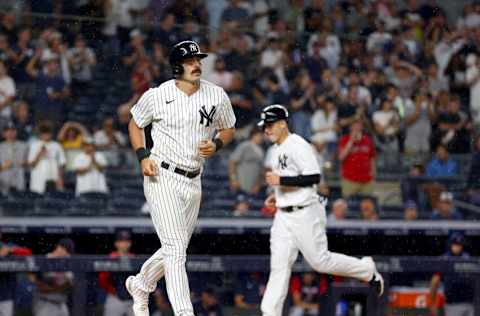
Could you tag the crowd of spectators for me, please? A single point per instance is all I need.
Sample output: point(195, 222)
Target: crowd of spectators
point(369, 83)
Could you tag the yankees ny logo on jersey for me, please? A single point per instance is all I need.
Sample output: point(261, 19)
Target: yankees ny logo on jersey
point(282, 161)
point(206, 117)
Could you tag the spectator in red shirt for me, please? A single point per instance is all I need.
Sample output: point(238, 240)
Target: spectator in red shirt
point(118, 300)
point(8, 280)
point(306, 291)
point(357, 156)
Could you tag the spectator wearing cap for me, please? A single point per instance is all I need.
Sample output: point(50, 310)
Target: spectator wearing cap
point(208, 304)
point(90, 167)
point(46, 159)
point(51, 89)
point(13, 160)
point(339, 211)
point(410, 211)
point(441, 165)
point(8, 280)
point(81, 60)
point(458, 287)
point(7, 93)
point(118, 301)
point(357, 157)
point(245, 167)
point(53, 288)
point(445, 210)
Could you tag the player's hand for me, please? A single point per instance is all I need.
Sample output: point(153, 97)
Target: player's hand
point(272, 178)
point(149, 167)
point(207, 148)
point(270, 202)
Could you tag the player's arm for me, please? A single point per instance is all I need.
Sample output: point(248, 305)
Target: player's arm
point(137, 139)
point(209, 147)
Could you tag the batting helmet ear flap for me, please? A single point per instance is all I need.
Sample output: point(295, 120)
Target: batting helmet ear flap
point(177, 69)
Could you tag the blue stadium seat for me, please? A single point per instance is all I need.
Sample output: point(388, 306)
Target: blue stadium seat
point(49, 206)
point(124, 207)
point(86, 207)
point(17, 207)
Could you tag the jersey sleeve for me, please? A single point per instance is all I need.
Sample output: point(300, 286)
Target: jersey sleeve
point(305, 159)
point(225, 117)
point(142, 111)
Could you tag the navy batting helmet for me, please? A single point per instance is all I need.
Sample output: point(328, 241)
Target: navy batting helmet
point(182, 51)
point(273, 113)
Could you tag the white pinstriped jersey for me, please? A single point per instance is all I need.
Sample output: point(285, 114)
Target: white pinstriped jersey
point(180, 122)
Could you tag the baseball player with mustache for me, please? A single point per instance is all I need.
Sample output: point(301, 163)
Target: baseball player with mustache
point(186, 113)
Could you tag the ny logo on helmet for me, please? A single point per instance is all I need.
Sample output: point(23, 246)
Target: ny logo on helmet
point(206, 117)
point(193, 48)
point(184, 51)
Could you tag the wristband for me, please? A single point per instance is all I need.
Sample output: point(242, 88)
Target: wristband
point(142, 153)
point(218, 144)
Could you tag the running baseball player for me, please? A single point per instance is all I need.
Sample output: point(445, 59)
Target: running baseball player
point(300, 220)
point(185, 113)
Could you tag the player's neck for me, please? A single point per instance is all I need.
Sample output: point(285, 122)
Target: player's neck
point(282, 137)
point(187, 86)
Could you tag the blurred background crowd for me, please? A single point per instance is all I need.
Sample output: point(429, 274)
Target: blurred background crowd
point(387, 92)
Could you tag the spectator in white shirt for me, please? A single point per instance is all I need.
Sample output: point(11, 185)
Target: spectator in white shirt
point(7, 92)
point(89, 167)
point(324, 121)
point(109, 140)
point(377, 40)
point(13, 158)
point(46, 159)
point(473, 80)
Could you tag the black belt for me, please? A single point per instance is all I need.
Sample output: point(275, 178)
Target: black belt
point(188, 174)
point(289, 209)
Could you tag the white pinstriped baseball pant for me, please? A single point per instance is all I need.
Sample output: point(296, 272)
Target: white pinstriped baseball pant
point(174, 202)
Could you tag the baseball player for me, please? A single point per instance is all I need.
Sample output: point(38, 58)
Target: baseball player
point(185, 113)
point(300, 220)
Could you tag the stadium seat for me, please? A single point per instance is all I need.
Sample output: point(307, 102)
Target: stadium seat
point(17, 207)
point(124, 207)
point(50, 206)
point(86, 207)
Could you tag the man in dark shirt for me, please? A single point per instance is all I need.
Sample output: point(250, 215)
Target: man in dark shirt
point(350, 111)
point(250, 290)
point(453, 129)
point(458, 287)
point(208, 304)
